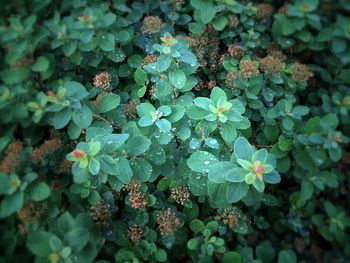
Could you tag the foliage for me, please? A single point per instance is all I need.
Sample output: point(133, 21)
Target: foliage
point(174, 131)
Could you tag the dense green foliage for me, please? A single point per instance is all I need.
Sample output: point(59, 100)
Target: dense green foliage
point(174, 131)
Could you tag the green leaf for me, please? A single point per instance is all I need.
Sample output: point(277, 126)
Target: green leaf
point(77, 238)
point(285, 144)
point(231, 257)
point(55, 243)
point(299, 111)
point(243, 149)
point(196, 113)
point(207, 13)
point(266, 252)
point(217, 191)
point(38, 244)
point(108, 164)
point(165, 110)
point(287, 256)
point(142, 169)
point(177, 112)
point(196, 28)
point(140, 77)
point(73, 131)
point(39, 191)
point(108, 102)
point(145, 121)
point(193, 243)
point(163, 63)
point(247, 165)
point(145, 109)
point(271, 132)
point(14, 75)
point(113, 142)
point(201, 161)
point(236, 191)
point(69, 48)
point(79, 175)
point(161, 255)
point(259, 185)
point(272, 178)
point(217, 95)
point(220, 22)
point(106, 42)
point(11, 204)
point(287, 123)
point(163, 88)
point(164, 125)
point(75, 90)
point(137, 145)
point(125, 171)
point(222, 171)
point(228, 131)
point(41, 64)
point(307, 190)
point(61, 119)
point(260, 155)
point(83, 117)
point(331, 210)
point(177, 78)
point(65, 223)
point(197, 226)
point(94, 166)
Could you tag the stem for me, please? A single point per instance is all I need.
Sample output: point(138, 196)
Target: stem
point(263, 146)
point(174, 95)
point(115, 126)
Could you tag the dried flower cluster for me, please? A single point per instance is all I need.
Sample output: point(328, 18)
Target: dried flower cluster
point(23, 62)
point(64, 167)
point(151, 25)
point(248, 68)
point(49, 146)
point(101, 213)
point(32, 211)
point(274, 51)
point(178, 2)
point(263, 10)
point(235, 51)
point(130, 109)
point(271, 65)
point(233, 21)
point(135, 233)
point(180, 194)
point(300, 72)
point(12, 157)
point(102, 80)
point(229, 216)
point(152, 90)
point(231, 79)
point(149, 59)
point(207, 49)
point(168, 222)
point(190, 40)
point(137, 198)
point(211, 84)
point(132, 187)
point(200, 85)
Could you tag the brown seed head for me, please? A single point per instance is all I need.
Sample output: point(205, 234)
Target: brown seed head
point(102, 80)
point(151, 25)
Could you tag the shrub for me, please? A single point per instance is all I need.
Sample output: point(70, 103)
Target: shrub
point(174, 131)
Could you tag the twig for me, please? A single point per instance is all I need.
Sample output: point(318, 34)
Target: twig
point(115, 126)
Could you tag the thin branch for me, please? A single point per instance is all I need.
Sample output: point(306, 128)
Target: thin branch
point(115, 126)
